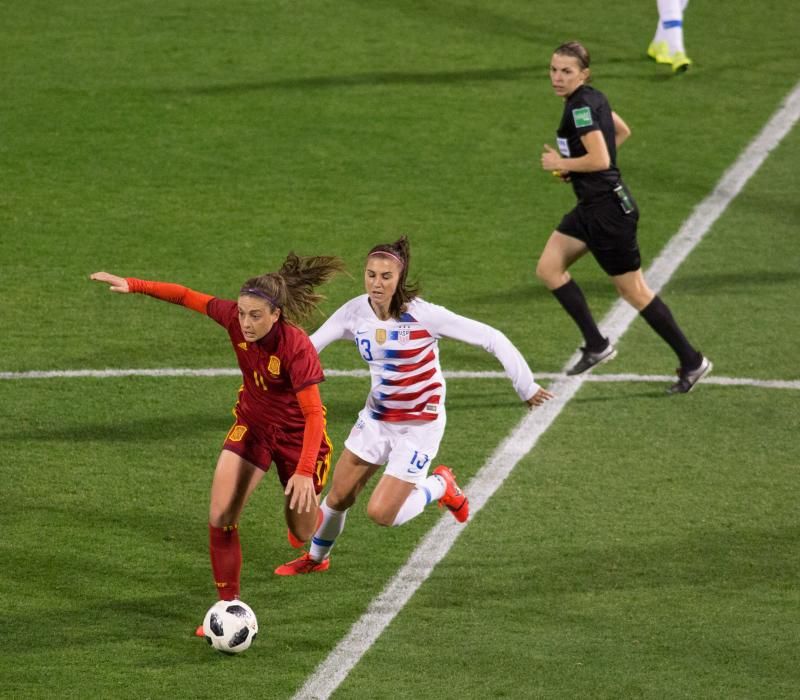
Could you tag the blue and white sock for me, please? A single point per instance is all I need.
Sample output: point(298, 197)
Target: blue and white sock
point(326, 534)
point(430, 490)
point(670, 24)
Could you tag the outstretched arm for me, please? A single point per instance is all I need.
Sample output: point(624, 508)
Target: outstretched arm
point(445, 323)
point(166, 291)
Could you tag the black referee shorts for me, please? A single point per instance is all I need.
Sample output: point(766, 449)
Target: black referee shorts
point(609, 234)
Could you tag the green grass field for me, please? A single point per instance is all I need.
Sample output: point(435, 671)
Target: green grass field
point(647, 547)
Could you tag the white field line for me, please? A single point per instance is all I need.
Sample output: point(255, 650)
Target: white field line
point(455, 374)
point(435, 545)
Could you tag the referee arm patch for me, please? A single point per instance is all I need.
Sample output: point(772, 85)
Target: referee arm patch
point(582, 117)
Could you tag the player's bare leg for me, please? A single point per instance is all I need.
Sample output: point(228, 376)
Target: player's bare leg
point(388, 497)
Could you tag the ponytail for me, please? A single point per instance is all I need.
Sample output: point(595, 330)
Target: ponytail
point(291, 288)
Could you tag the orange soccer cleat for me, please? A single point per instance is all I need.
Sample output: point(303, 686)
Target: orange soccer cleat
point(303, 565)
point(454, 499)
point(199, 632)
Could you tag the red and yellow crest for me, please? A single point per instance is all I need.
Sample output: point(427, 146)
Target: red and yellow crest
point(237, 432)
point(274, 366)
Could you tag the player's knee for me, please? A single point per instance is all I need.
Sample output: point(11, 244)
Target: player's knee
point(220, 518)
point(552, 275)
point(543, 270)
point(340, 500)
point(379, 516)
point(224, 511)
point(627, 295)
point(638, 296)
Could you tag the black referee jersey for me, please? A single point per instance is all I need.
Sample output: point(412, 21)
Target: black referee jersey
point(587, 110)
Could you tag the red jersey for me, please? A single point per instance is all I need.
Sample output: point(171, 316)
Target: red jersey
point(274, 368)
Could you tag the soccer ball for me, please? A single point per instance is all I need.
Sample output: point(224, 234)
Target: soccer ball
point(230, 626)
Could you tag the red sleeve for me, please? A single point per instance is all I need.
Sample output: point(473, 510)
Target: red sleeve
point(173, 293)
point(311, 406)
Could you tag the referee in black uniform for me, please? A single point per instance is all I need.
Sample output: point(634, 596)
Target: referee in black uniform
point(603, 222)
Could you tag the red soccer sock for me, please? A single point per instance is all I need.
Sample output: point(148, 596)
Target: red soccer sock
point(226, 559)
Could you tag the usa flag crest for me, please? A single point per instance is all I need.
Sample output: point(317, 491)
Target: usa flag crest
point(403, 335)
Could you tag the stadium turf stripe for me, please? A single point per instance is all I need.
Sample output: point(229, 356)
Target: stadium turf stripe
point(435, 545)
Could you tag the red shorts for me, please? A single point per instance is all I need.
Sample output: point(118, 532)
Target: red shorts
point(262, 446)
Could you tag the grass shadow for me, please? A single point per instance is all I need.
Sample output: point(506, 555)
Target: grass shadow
point(376, 79)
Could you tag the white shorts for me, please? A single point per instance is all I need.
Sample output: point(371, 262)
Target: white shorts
point(407, 449)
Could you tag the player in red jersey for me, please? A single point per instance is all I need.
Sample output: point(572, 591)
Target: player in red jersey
point(279, 413)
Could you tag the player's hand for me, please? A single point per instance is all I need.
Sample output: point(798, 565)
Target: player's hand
point(551, 159)
point(562, 175)
point(302, 495)
point(117, 284)
point(539, 398)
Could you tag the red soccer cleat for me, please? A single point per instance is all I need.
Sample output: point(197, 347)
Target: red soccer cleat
point(299, 544)
point(303, 565)
point(454, 499)
point(199, 632)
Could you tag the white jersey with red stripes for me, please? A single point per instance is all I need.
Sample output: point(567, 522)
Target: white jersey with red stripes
point(403, 355)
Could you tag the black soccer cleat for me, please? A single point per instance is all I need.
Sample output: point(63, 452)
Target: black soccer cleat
point(591, 359)
point(687, 378)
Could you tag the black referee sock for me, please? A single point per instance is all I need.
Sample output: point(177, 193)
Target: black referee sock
point(571, 297)
point(659, 317)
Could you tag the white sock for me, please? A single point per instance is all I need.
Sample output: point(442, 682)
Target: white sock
point(430, 490)
point(326, 534)
point(659, 35)
point(670, 24)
